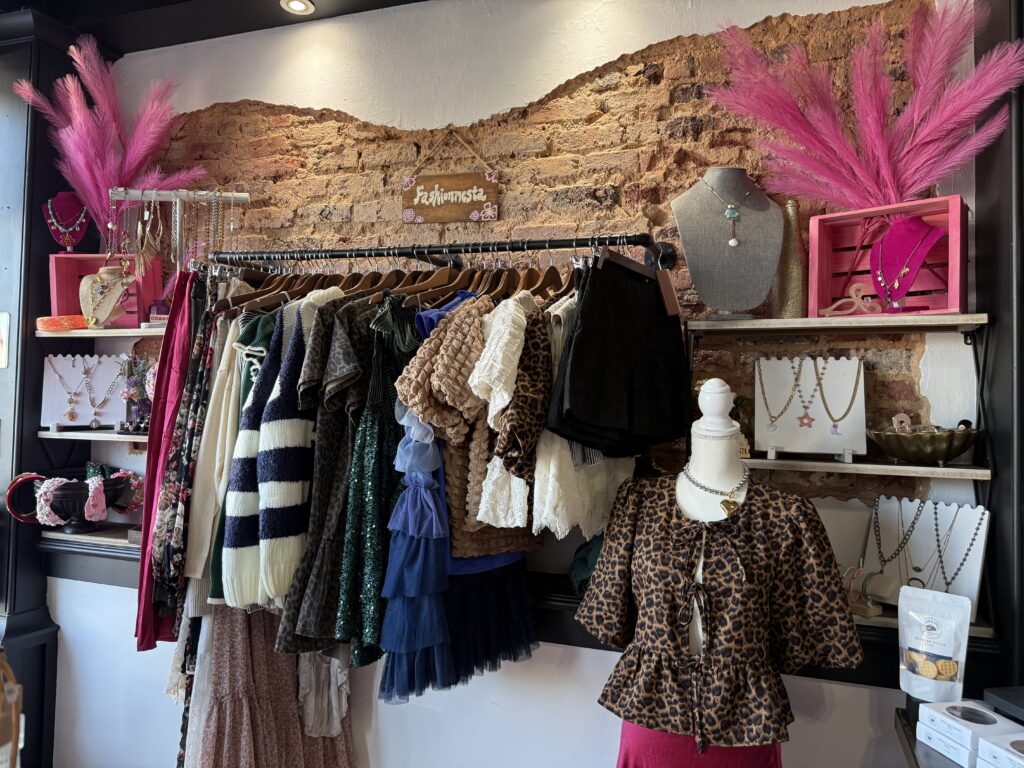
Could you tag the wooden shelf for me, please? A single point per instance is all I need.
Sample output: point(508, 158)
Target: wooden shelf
point(99, 436)
point(112, 535)
point(846, 324)
point(102, 333)
point(948, 472)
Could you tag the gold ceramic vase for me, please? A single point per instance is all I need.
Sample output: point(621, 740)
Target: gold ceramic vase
point(788, 296)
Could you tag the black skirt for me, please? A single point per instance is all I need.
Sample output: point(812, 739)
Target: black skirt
point(623, 380)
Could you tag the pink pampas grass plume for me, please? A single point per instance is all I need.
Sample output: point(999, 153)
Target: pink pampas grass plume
point(884, 159)
point(96, 149)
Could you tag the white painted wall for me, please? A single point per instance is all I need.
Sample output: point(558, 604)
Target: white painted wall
point(431, 64)
point(111, 711)
point(420, 66)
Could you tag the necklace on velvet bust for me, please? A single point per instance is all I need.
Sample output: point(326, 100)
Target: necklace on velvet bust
point(64, 230)
point(732, 210)
point(894, 285)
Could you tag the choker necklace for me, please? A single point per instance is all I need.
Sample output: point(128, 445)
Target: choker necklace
point(72, 395)
point(886, 286)
point(66, 238)
point(773, 418)
point(732, 210)
point(963, 560)
point(819, 376)
point(728, 504)
point(882, 559)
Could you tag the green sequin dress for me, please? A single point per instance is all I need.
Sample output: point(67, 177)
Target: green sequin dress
point(374, 487)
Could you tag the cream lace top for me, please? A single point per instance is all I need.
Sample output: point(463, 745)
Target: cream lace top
point(494, 375)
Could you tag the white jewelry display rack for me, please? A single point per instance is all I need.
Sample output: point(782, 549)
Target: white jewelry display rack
point(179, 197)
point(960, 544)
point(800, 392)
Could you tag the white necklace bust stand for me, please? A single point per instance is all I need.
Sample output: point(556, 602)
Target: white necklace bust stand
point(714, 462)
point(729, 278)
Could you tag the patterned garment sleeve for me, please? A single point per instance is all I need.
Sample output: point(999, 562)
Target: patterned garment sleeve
point(608, 610)
point(810, 619)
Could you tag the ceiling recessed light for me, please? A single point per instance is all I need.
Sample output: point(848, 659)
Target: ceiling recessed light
point(298, 7)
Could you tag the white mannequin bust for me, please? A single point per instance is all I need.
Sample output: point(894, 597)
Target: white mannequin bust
point(714, 456)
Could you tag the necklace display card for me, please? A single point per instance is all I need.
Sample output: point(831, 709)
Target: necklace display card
point(105, 370)
point(920, 549)
point(839, 376)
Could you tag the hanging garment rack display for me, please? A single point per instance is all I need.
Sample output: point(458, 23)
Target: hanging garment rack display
point(179, 197)
point(660, 255)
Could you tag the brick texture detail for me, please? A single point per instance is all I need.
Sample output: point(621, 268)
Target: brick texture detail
point(604, 152)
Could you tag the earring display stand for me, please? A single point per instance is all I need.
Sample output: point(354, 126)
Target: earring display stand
point(787, 395)
point(918, 562)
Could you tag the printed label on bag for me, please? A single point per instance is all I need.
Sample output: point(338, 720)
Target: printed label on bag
point(930, 634)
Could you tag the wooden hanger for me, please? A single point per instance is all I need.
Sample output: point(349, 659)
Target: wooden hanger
point(444, 294)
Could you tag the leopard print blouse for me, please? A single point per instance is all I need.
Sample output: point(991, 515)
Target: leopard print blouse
point(771, 603)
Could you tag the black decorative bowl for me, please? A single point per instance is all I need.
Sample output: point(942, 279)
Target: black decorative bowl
point(68, 500)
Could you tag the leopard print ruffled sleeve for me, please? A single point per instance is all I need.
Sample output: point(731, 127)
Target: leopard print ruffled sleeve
point(770, 600)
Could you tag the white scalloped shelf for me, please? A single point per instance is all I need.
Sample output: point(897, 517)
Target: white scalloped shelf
point(846, 324)
point(948, 472)
point(103, 436)
point(102, 333)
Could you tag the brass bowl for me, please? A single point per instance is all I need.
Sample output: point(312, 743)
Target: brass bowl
point(924, 445)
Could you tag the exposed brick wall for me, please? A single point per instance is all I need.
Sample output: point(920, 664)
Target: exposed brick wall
point(603, 153)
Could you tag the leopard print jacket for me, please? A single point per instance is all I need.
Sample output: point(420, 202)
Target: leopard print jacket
point(771, 602)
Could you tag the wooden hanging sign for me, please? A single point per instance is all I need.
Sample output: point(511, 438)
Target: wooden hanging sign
point(450, 197)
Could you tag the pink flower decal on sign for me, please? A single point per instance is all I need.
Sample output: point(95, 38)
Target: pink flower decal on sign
point(419, 219)
point(408, 215)
point(474, 215)
point(492, 176)
point(490, 212)
point(408, 182)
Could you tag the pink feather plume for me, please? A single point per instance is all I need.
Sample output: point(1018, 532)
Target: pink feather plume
point(96, 150)
point(884, 159)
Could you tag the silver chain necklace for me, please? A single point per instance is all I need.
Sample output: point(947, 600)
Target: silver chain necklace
point(732, 210)
point(728, 504)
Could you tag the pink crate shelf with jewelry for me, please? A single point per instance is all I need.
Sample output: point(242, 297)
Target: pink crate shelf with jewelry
point(840, 257)
point(68, 269)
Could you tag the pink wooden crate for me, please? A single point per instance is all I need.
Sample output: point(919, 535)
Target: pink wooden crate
point(68, 269)
point(941, 284)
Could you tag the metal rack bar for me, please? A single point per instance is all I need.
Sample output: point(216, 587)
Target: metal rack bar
point(175, 195)
point(658, 254)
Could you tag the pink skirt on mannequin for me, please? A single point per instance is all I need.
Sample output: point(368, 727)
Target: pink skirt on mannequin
point(641, 747)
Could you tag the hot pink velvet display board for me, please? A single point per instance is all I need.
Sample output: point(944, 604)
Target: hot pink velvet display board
point(838, 242)
point(68, 269)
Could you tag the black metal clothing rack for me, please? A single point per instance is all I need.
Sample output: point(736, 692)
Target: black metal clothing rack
point(658, 255)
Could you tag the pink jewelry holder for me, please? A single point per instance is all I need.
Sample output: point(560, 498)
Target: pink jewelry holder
point(68, 269)
point(840, 256)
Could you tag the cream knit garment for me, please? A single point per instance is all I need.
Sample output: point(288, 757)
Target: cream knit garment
point(214, 460)
point(284, 463)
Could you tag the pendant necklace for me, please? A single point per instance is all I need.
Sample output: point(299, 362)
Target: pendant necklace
point(882, 559)
point(819, 375)
point(933, 571)
point(732, 210)
point(72, 395)
point(97, 407)
point(904, 270)
point(805, 419)
point(773, 418)
point(728, 503)
point(66, 238)
point(948, 581)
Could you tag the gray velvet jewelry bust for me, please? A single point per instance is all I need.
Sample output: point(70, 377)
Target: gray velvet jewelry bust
point(729, 278)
